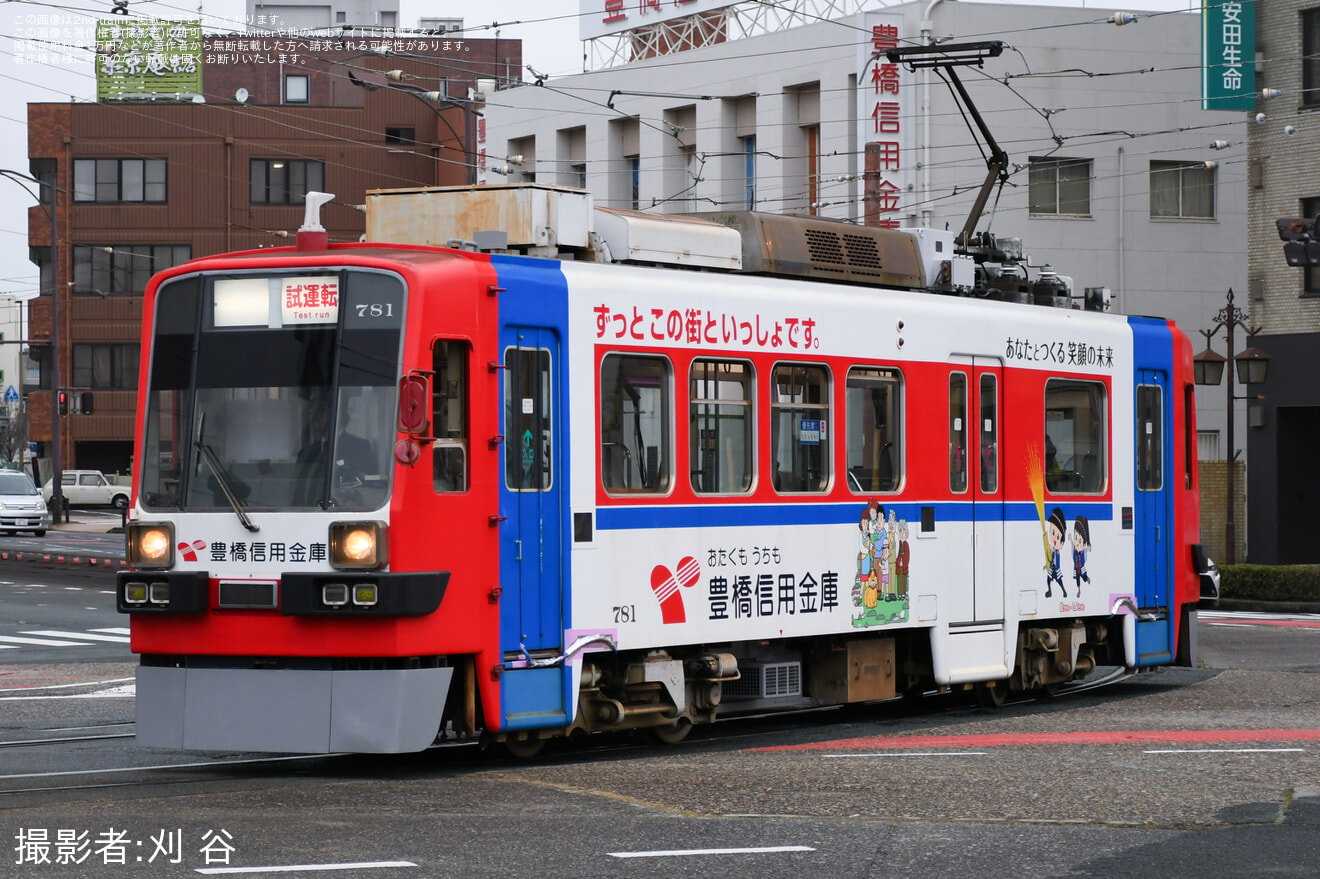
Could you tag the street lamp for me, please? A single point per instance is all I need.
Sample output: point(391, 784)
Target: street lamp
point(56, 464)
point(1208, 368)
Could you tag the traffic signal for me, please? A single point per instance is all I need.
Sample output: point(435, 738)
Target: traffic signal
point(64, 402)
point(1300, 247)
point(85, 402)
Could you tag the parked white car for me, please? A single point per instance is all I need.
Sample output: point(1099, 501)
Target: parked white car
point(21, 508)
point(87, 488)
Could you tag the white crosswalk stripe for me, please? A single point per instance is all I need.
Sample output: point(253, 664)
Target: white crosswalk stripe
point(86, 636)
point(41, 642)
point(64, 638)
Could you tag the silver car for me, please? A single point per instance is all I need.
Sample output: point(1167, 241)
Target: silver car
point(21, 507)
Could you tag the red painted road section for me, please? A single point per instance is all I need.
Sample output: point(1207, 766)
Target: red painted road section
point(1094, 737)
point(1247, 621)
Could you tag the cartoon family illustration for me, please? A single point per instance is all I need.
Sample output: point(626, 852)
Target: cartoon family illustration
point(1056, 529)
point(880, 591)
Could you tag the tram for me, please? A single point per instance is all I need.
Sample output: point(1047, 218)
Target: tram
point(518, 467)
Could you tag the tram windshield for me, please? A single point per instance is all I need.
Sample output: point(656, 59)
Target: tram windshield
point(273, 392)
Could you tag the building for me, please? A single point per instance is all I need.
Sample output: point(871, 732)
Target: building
point(1283, 413)
point(1115, 176)
point(146, 184)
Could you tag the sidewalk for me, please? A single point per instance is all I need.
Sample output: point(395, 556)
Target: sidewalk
point(90, 523)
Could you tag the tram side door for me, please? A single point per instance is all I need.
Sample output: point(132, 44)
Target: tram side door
point(987, 491)
point(1153, 518)
point(531, 614)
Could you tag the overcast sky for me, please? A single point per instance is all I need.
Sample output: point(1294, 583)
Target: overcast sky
point(548, 30)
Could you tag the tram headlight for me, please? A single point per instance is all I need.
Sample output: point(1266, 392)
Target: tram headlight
point(150, 544)
point(359, 546)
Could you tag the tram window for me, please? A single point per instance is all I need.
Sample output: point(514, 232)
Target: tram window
point(1150, 438)
point(449, 407)
point(989, 434)
point(720, 429)
point(873, 407)
point(528, 461)
point(635, 404)
point(957, 432)
point(799, 428)
point(1076, 460)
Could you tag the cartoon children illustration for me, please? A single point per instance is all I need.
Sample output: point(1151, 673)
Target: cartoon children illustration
point(863, 557)
point(902, 559)
point(882, 563)
point(1081, 540)
point(891, 532)
point(1056, 528)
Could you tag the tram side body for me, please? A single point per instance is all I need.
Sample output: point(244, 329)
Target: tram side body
point(565, 596)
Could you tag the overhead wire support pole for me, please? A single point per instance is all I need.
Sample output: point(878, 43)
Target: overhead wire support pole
point(947, 57)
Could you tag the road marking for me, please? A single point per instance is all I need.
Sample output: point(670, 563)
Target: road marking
point(65, 686)
point(1085, 737)
point(89, 636)
point(118, 630)
point(41, 642)
point(688, 852)
point(1230, 751)
point(303, 868)
point(908, 754)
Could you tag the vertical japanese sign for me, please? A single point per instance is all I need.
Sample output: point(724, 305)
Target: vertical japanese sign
point(1228, 55)
point(885, 125)
point(136, 58)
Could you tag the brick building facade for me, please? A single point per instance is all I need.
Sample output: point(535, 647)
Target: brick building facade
point(1283, 413)
point(145, 185)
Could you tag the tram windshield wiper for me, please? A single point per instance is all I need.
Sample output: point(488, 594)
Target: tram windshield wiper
point(222, 477)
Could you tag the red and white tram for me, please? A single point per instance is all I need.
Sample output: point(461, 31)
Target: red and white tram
point(385, 491)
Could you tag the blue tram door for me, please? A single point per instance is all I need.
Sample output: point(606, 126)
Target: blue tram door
point(1154, 521)
point(531, 536)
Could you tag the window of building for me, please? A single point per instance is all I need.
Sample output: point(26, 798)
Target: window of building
point(812, 133)
point(1310, 276)
point(720, 426)
point(635, 423)
point(296, 88)
point(112, 366)
point(123, 269)
point(1182, 190)
point(1075, 456)
point(873, 404)
point(399, 135)
point(635, 182)
point(800, 428)
point(1207, 445)
point(449, 396)
point(119, 180)
point(958, 432)
point(1060, 186)
point(1310, 57)
point(285, 181)
point(749, 171)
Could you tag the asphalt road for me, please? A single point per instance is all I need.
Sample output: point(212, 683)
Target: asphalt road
point(1205, 772)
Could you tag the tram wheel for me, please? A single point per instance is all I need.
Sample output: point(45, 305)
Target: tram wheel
point(1052, 691)
point(670, 734)
point(524, 749)
point(992, 694)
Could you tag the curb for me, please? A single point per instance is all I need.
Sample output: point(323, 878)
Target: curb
point(1259, 606)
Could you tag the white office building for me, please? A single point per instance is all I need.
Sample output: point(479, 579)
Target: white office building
point(1115, 175)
